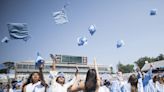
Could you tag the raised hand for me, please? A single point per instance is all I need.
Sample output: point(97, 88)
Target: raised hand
point(77, 71)
point(53, 58)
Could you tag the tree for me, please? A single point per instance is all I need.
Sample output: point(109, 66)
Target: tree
point(141, 61)
point(9, 65)
point(160, 57)
point(125, 68)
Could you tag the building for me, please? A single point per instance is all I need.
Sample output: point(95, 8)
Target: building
point(158, 66)
point(65, 63)
point(67, 59)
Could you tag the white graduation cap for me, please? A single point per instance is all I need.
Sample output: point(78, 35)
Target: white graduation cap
point(5, 40)
point(60, 17)
point(18, 31)
point(2, 66)
point(146, 62)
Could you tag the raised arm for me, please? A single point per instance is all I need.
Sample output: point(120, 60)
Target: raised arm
point(41, 72)
point(78, 85)
point(98, 76)
point(73, 80)
point(54, 61)
point(148, 76)
point(41, 76)
point(140, 83)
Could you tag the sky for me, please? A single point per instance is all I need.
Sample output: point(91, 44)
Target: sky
point(127, 20)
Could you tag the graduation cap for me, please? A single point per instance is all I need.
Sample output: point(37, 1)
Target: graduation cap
point(66, 5)
point(60, 74)
point(92, 29)
point(120, 43)
point(81, 41)
point(153, 12)
point(39, 61)
point(60, 17)
point(5, 40)
point(18, 31)
point(146, 62)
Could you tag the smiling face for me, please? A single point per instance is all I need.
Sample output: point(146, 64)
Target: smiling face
point(60, 80)
point(35, 77)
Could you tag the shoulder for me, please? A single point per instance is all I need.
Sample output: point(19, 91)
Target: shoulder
point(28, 85)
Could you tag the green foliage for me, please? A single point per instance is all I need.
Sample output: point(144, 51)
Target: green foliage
point(9, 65)
point(3, 71)
point(125, 68)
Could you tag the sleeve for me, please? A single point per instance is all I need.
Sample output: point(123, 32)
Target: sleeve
point(41, 74)
point(147, 77)
point(70, 83)
point(115, 87)
point(53, 82)
point(140, 83)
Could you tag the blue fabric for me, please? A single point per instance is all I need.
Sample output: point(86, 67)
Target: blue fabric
point(39, 61)
point(115, 87)
point(153, 12)
point(81, 41)
point(147, 77)
point(120, 43)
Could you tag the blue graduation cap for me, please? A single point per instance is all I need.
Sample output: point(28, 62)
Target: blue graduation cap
point(39, 61)
point(92, 29)
point(153, 12)
point(120, 43)
point(81, 41)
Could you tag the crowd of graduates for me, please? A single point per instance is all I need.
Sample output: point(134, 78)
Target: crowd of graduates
point(137, 82)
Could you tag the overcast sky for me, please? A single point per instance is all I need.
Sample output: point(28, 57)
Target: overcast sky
point(127, 20)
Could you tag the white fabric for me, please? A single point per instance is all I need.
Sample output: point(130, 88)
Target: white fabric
point(39, 58)
point(5, 40)
point(56, 87)
point(37, 87)
point(153, 87)
point(10, 90)
point(127, 88)
point(103, 89)
point(53, 74)
point(17, 90)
